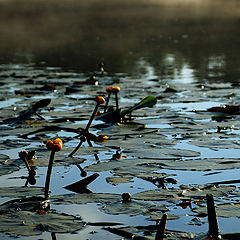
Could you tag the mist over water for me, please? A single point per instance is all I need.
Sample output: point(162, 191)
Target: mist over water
point(203, 35)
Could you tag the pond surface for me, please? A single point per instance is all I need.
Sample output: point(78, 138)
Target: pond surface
point(180, 149)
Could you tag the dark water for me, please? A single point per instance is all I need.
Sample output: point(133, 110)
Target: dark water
point(192, 42)
point(129, 36)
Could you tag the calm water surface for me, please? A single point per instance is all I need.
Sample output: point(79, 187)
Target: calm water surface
point(182, 42)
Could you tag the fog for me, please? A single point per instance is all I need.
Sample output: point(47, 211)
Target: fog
point(77, 34)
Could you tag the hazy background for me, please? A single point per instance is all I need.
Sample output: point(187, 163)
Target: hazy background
point(166, 35)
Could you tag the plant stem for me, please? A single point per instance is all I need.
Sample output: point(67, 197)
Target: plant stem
point(27, 164)
point(116, 98)
point(48, 177)
point(93, 115)
point(107, 101)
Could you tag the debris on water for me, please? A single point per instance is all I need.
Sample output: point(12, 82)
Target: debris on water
point(81, 186)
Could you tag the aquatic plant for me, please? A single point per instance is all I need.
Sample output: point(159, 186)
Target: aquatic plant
point(85, 135)
point(55, 146)
point(25, 115)
point(118, 116)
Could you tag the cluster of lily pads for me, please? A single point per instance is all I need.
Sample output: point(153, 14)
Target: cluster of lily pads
point(146, 151)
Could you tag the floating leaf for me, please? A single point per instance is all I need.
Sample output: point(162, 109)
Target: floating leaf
point(223, 210)
point(159, 195)
point(25, 223)
point(20, 192)
point(118, 180)
point(230, 109)
point(149, 101)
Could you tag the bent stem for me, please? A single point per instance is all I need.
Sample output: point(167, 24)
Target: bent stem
point(48, 177)
point(77, 147)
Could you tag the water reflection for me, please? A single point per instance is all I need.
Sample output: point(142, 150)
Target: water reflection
point(156, 38)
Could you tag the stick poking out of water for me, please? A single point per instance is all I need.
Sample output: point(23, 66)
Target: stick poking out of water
point(161, 228)
point(212, 216)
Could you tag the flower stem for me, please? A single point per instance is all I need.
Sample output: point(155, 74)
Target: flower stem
point(116, 98)
point(107, 101)
point(91, 118)
point(48, 177)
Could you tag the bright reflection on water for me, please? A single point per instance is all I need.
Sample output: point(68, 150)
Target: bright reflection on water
point(182, 40)
point(189, 43)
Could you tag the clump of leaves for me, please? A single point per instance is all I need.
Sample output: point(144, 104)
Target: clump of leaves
point(115, 116)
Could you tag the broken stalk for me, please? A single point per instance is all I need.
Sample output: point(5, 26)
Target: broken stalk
point(212, 217)
point(161, 228)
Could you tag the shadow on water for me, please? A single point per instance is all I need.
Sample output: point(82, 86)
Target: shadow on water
point(78, 34)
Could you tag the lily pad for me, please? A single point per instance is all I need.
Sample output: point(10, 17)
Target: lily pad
point(118, 180)
point(222, 144)
point(20, 192)
point(201, 191)
point(25, 223)
point(203, 164)
point(159, 195)
point(223, 210)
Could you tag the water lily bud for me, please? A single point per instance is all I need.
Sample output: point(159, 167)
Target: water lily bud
point(100, 100)
point(55, 145)
point(109, 89)
point(126, 197)
point(116, 89)
point(101, 138)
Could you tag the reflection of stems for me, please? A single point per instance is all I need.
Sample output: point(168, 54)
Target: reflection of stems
point(161, 228)
point(48, 177)
point(27, 164)
point(83, 173)
point(90, 145)
point(31, 172)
